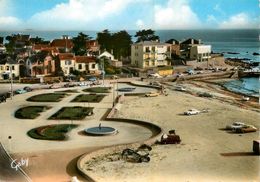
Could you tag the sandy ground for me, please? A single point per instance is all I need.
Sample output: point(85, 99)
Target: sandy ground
point(206, 152)
point(202, 155)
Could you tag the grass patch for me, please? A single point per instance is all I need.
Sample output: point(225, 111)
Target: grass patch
point(67, 91)
point(88, 98)
point(50, 97)
point(72, 113)
point(30, 112)
point(51, 132)
point(98, 89)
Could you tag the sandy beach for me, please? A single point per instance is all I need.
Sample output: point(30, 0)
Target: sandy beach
point(206, 153)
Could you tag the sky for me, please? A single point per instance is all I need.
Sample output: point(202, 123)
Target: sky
point(128, 14)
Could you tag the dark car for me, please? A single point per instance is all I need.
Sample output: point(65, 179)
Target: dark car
point(28, 89)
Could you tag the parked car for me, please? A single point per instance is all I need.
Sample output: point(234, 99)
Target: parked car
point(2, 98)
point(28, 89)
point(245, 129)
point(82, 84)
point(20, 91)
point(154, 75)
point(54, 86)
point(152, 94)
point(235, 125)
point(245, 98)
point(192, 112)
point(92, 79)
point(180, 88)
point(157, 84)
point(170, 138)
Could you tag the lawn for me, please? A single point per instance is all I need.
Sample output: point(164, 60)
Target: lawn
point(67, 91)
point(30, 112)
point(72, 113)
point(50, 97)
point(98, 89)
point(51, 132)
point(88, 98)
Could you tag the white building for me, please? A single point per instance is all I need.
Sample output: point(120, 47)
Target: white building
point(107, 55)
point(150, 54)
point(200, 52)
point(111, 59)
point(8, 68)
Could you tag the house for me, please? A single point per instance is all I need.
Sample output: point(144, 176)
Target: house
point(41, 64)
point(175, 46)
point(63, 45)
point(150, 54)
point(45, 47)
point(107, 55)
point(86, 64)
point(92, 47)
point(111, 59)
point(193, 49)
point(67, 63)
point(9, 68)
point(200, 52)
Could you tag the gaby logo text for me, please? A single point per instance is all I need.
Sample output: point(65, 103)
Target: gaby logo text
point(15, 164)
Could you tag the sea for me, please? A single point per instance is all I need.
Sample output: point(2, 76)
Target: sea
point(232, 43)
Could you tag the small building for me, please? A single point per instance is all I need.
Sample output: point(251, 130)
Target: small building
point(175, 46)
point(200, 52)
point(9, 68)
point(86, 64)
point(150, 54)
point(193, 49)
point(41, 65)
point(67, 63)
point(63, 45)
point(111, 59)
point(92, 47)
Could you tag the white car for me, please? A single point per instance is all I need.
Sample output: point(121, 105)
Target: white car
point(180, 88)
point(192, 112)
point(154, 75)
point(235, 125)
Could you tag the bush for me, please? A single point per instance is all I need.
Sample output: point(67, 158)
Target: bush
point(51, 132)
point(30, 112)
point(50, 97)
point(73, 113)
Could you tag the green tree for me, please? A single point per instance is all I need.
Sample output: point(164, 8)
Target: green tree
point(104, 39)
point(80, 44)
point(11, 43)
point(146, 35)
point(121, 44)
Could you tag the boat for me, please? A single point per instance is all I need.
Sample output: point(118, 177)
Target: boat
point(126, 89)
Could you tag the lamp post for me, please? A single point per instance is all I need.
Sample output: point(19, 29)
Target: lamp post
point(11, 71)
point(103, 72)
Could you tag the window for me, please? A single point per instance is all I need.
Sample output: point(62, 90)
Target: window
point(153, 49)
point(1, 67)
point(147, 49)
point(80, 66)
point(93, 66)
point(168, 48)
point(7, 67)
point(136, 47)
point(13, 68)
point(68, 62)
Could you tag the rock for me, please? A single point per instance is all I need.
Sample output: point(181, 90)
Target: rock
point(256, 54)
